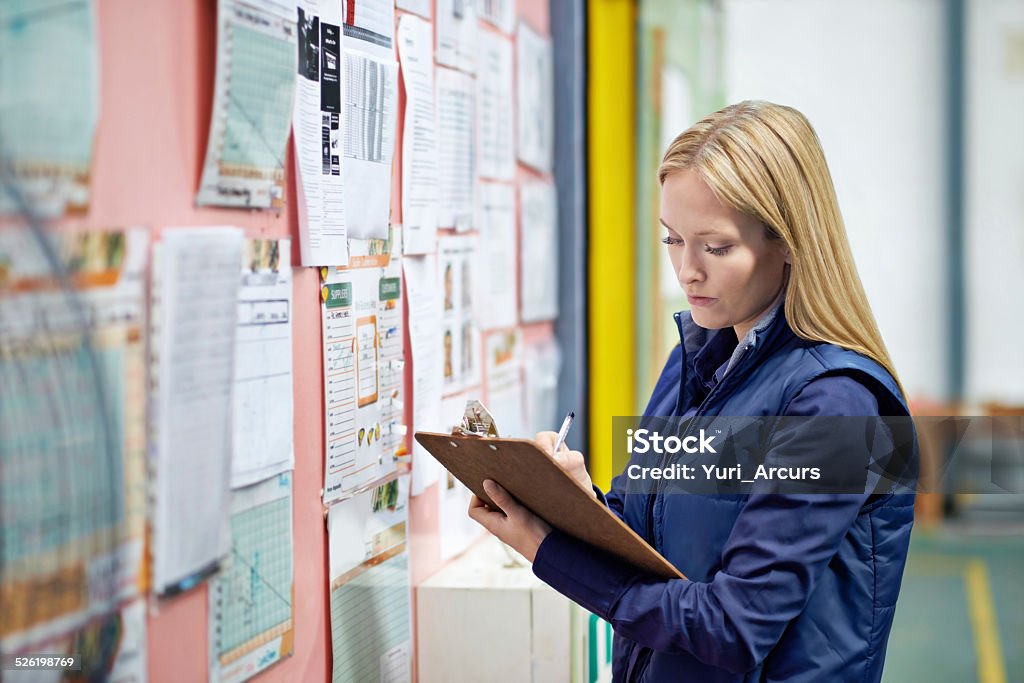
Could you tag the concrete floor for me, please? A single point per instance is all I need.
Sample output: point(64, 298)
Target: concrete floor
point(960, 615)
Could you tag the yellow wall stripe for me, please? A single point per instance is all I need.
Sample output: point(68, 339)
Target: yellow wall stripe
point(611, 29)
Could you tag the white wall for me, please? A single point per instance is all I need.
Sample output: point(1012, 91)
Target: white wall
point(994, 204)
point(869, 75)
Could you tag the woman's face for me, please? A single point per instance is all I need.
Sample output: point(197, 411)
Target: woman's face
point(730, 270)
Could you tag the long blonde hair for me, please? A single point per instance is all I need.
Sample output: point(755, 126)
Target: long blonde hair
point(765, 160)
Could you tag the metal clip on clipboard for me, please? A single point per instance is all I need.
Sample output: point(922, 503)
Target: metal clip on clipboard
point(476, 421)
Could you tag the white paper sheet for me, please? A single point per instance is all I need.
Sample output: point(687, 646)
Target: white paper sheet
point(339, 334)
point(500, 13)
point(371, 101)
point(370, 26)
point(538, 251)
point(194, 314)
point(496, 154)
point(536, 99)
point(49, 101)
point(504, 382)
point(419, 139)
point(455, 146)
point(371, 98)
point(457, 34)
point(367, 525)
point(317, 125)
point(252, 105)
point(460, 337)
point(263, 419)
point(456, 530)
point(130, 660)
point(420, 7)
point(495, 300)
point(425, 340)
point(371, 622)
point(542, 363)
point(363, 380)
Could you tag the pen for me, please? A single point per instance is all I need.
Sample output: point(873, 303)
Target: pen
point(564, 431)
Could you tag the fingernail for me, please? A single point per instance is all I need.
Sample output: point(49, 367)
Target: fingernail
point(488, 485)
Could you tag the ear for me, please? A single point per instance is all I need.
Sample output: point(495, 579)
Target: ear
point(787, 255)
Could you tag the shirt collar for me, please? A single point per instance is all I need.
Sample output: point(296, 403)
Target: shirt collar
point(716, 352)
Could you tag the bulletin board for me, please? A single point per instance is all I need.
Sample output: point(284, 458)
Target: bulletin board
point(155, 117)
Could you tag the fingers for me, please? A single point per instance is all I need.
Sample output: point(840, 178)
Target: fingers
point(546, 441)
point(501, 497)
point(570, 460)
point(483, 515)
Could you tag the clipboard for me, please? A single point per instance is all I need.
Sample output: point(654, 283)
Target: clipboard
point(537, 481)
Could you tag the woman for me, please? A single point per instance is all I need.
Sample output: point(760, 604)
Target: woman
point(780, 587)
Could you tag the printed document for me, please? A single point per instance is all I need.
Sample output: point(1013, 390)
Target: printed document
point(194, 318)
point(252, 105)
point(317, 121)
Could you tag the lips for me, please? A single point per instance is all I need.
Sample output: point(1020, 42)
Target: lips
point(700, 300)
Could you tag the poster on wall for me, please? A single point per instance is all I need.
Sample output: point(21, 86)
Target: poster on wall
point(254, 89)
point(49, 103)
point(362, 329)
point(504, 381)
point(74, 387)
point(371, 616)
point(371, 102)
point(460, 336)
point(419, 137)
point(425, 303)
point(456, 531)
point(495, 107)
point(317, 125)
point(457, 34)
point(194, 317)
point(536, 98)
point(263, 416)
point(494, 299)
point(498, 13)
point(251, 607)
point(541, 364)
point(455, 144)
point(538, 255)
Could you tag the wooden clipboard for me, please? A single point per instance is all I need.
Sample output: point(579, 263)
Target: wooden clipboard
point(540, 483)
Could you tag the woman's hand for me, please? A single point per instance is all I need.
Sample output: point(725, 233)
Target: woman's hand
point(516, 526)
point(571, 461)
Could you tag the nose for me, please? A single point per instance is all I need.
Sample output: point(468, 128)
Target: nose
point(690, 267)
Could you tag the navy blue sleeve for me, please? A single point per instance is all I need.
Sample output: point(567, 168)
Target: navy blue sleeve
point(777, 551)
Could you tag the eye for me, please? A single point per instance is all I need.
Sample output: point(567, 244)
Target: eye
point(671, 241)
point(717, 251)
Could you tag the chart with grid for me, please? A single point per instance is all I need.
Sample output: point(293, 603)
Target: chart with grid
point(369, 619)
point(368, 90)
point(262, 75)
point(70, 494)
point(255, 587)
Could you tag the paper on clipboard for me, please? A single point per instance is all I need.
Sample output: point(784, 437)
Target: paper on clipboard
point(538, 482)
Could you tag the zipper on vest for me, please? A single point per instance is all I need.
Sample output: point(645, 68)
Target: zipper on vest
point(658, 486)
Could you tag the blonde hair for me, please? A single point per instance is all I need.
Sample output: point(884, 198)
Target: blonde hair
point(765, 160)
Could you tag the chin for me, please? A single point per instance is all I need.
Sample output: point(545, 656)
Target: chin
point(708, 321)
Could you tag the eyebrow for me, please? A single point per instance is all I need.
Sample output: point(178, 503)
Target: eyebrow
point(701, 233)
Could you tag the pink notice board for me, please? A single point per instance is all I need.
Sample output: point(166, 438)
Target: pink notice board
point(157, 63)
